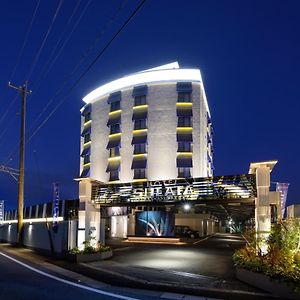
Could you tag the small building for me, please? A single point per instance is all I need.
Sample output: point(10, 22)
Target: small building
point(293, 211)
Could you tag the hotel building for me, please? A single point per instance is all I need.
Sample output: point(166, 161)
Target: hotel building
point(153, 125)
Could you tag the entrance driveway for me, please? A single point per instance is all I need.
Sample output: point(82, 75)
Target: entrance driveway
point(210, 257)
point(202, 264)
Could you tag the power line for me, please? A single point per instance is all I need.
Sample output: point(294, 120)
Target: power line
point(8, 108)
point(83, 57)
point(44, 40)
point(25, 40)
point(88, 68)
point(132, 15)
point(46, 69)
point(8, 126)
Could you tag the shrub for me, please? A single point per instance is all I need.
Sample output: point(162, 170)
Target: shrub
point(282, 259)
point(89, 248)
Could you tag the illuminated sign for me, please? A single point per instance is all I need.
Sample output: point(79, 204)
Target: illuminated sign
point(55, 206)
point(282, 188)
point(225, 187)
point(1, 210)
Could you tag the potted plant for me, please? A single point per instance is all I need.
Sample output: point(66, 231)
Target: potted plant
point(91, 251)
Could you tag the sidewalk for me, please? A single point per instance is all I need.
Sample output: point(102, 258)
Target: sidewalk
point(117, 274)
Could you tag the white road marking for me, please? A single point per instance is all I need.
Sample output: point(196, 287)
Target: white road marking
point(66, 281)
point(192, 275)
point(203, 239)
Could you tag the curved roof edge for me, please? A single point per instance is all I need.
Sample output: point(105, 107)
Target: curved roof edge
point(165, 73)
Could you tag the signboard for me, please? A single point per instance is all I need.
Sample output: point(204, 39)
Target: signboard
point(221, 187)
point(282, 188)
point(1, 210)
point(55, 207)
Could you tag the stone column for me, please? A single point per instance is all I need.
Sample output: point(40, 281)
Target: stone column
point(262, 171)
point(88, 215)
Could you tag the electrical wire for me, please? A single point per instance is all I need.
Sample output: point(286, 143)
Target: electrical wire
point(89, 67)
point(25, 40)
point(8, 108)
point(44, 40)
point(81, 60)
point(132, 15)
point(53, 56)
point(8, 126)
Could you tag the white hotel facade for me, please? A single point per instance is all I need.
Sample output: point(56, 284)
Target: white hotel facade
point(147, 126)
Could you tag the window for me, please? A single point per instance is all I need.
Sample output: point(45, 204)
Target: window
point(115, 106)
point(184, 97)
point(184, 147)
point(86, 159)
point(114, 175)
point(139, 100)
point(114, 128)
point(139, 173)
point(184, 172)
point(87, 117)
point(140, 148)
point(113, 152)
point(87, 138)
point(184, 121)
point(140, 124)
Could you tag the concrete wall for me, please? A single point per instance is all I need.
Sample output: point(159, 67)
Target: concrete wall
point(36, 236)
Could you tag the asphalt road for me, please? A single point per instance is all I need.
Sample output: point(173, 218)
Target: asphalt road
point(200, 263)
point(26, 281)
point(210, 257)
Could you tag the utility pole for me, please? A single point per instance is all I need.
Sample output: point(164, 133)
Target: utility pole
point(24, 92)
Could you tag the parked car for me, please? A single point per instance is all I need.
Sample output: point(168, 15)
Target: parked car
point(186, 231)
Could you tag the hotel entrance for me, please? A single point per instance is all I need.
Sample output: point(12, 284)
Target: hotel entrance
point(175, 208)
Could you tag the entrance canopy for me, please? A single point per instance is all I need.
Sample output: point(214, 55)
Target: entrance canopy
point(210, 190)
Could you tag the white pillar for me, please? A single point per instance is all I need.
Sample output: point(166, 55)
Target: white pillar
point(262, 171)
point(88, 215)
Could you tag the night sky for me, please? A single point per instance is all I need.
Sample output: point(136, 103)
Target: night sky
point(247, 51)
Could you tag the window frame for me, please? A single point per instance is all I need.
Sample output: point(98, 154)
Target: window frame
point(140, 100)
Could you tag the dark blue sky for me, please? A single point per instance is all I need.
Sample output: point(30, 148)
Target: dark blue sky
point(248, 53)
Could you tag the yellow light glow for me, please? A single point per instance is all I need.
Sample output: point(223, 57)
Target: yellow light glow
point(114, 181)
point(141, 106)
point(36, 220)
point(139, 155)
point(184, 128)
point(115, 112)
point(140, 180)
point(140, 130)
point(87, 144)
point(114, 135)
point(114, 158)
point(184, 104)
point(184, 153)
point(86, 124)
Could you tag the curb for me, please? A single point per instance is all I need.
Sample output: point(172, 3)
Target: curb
point(117, 279)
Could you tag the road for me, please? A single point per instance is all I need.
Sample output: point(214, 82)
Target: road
point(205, 263)
point(210, 257)
point(20, 280)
